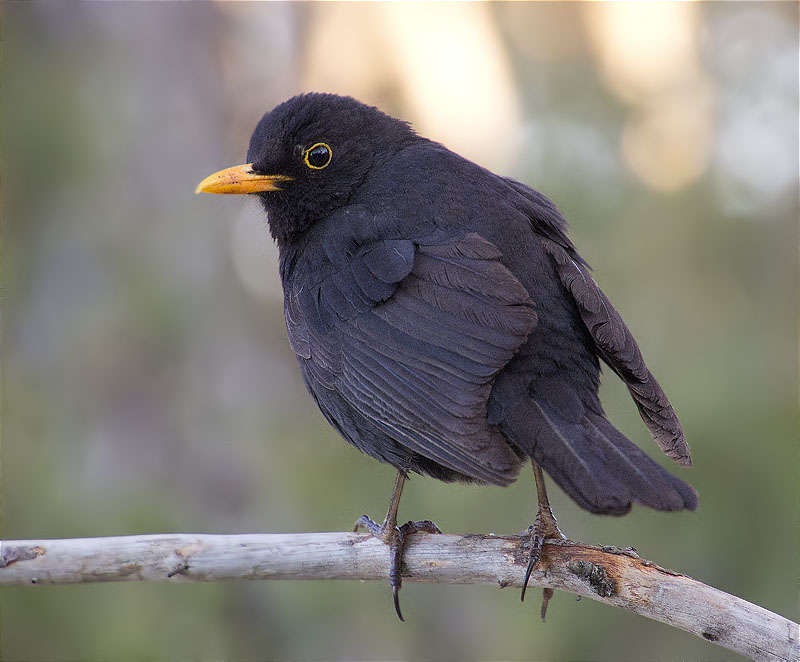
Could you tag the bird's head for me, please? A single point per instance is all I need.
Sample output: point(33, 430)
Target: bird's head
point(308, 156)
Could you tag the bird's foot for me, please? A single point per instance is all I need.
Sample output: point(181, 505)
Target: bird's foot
point(395, 537)
point(544, 527)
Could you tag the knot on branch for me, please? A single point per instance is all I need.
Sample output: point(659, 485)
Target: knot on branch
point(597, 577)
point(14, 553)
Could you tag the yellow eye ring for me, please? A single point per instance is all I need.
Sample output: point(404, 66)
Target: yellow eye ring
point(318, 156)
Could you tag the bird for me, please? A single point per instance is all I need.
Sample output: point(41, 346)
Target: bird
point(443, 321)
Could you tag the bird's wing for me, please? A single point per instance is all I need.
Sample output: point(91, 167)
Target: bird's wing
point(617, 347)
point(315, 311)
point(412, 335)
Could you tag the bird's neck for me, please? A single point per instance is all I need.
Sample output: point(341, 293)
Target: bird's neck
point(290, 250)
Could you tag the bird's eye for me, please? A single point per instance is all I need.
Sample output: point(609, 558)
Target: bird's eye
point(318, 156)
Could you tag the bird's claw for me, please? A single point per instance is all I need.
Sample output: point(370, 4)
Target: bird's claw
point(536, 542)
point(544, 527)
point(395, 537)
point(376, 530)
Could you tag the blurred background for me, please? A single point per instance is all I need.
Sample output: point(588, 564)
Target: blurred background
point(147, 382)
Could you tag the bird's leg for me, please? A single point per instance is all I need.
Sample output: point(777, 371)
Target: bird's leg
point(545, 526)
point(395, 537)
point(385, 532)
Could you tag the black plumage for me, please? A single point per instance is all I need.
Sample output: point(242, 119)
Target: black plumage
point(443, 321)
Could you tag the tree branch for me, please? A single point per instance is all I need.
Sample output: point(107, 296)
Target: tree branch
point(609, 575)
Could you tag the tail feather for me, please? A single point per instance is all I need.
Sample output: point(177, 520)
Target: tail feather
point(660, 418)
point(593, 462)
point(651, 484)
point(615, 344)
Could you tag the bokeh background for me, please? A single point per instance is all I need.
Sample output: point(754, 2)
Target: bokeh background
point(147, 382)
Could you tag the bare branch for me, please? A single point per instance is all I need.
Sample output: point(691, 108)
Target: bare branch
point(609, 575)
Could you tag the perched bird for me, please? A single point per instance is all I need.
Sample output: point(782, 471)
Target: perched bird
point(443, 321)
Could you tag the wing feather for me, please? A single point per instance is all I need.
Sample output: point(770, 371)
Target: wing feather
point(412, 337)
point(617, 347)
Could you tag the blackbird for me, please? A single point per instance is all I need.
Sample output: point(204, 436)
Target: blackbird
point(443, 321)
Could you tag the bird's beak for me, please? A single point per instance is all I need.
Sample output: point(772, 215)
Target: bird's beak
point(240, 179)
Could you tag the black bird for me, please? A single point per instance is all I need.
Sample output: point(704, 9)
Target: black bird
point(443, 321)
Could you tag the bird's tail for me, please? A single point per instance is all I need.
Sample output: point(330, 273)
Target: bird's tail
point(593, 462)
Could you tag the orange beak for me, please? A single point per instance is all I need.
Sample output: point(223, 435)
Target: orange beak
point(240, 179)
